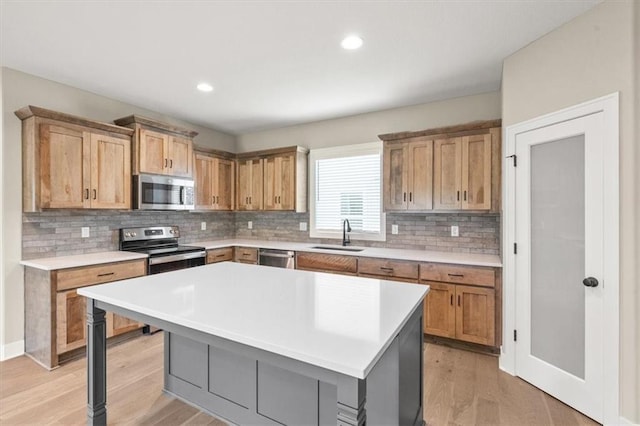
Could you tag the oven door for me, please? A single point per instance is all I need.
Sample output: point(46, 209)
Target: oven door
point(174, 262)
point(153, 192)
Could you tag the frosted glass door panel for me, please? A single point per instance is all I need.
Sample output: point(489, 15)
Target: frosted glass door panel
point(558, 253)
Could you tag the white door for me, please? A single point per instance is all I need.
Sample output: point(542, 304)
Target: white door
point(559, 270)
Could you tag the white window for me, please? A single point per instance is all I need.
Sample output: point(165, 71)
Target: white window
point(345, 183)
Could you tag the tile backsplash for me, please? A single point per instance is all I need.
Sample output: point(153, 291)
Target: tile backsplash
point(478, 232)
point(58, 232)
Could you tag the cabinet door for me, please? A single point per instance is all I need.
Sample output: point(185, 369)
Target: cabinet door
point(244, 185)
point(447, 170)
point(64, 176)
point(440, 310)
point(180, 156)
point(117, 324)
point(153, 152)
point(256, 183)
point(286, 168)
point(203, 182)
point(395, 176)
point(271, 187)
point(110, 172)
point(420, 176)
point(476, 172)
point(223, 184)
point(71, 321)
point(475, 315)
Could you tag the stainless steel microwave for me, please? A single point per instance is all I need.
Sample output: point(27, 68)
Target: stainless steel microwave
point(154, 192)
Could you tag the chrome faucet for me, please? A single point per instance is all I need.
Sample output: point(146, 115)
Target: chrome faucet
point(346, 227)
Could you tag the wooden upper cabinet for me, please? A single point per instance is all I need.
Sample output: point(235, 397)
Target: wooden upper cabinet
point(476, 172)
point(462, 178)
point(160, 148)
point(250, 184)
point(110, 172)
point(64, 179)
point(214, 181)
point(408, 176)
point(461, 171)
point(447, 167)
point(279, 182)
point(180, 156)
point(274, 179)
point(152, 148)
point(73, 163)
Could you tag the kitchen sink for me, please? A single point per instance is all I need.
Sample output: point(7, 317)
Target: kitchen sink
point(337, 248)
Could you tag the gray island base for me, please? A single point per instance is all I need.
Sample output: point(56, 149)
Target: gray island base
point(250, 386)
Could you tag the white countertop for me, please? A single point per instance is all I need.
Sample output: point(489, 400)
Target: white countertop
point(388, 253)
point(336, 322)
point(64, 262)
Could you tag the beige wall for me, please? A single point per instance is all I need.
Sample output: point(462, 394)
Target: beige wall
point(366, 127)
point(18, 90)
point(589, 57)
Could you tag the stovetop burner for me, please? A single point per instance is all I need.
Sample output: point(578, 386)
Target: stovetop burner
point(154, 241)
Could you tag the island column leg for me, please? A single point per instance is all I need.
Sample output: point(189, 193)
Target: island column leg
point(351, 401)
point(96, 365)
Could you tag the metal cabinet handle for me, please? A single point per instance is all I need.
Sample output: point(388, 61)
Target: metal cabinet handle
point(404, 196)
point(456, 275)
point(220, 255)
point(458, 195)
point(465, 195)
point(410, 196)
point(86, 194)
point(166, 162)
point(383, 268)
point(106, 274)
point(171, 164)
point(246, 254)
point(458, 300)
point(95, 194)
point(217, 199)
point(249, 200)
point(451, 301)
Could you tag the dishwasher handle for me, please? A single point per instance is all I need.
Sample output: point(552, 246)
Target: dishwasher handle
point(266, 253)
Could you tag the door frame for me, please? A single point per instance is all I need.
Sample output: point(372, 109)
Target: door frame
point(608, 106)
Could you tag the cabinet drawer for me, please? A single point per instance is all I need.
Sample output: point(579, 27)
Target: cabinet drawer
point(327, 263)
point(388, 268)
point(473, 275)
point(246, 255)
point(89, 275)
point(219, 255)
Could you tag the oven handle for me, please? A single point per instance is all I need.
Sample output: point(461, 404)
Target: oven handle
point(176, 257)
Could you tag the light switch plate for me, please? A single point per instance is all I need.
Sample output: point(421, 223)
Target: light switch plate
point(203, 226)
point(303, 226)
point(394, 229)
point(85, 232)
point(250, 225)
point(455, 231)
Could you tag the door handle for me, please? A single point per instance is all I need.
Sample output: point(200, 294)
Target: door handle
point(590, 282)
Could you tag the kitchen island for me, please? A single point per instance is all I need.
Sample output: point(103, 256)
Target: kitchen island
point(260, 345)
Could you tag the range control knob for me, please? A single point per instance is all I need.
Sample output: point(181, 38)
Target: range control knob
point(127, 234)
point(171, 231)
point(133, 234)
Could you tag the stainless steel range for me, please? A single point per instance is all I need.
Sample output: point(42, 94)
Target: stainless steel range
point(161, 244)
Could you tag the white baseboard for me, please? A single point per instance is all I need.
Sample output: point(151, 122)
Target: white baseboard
point(11, 350)
point(626, 422)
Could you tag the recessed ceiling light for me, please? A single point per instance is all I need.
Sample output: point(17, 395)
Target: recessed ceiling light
point(351, 42)
point(204, 87)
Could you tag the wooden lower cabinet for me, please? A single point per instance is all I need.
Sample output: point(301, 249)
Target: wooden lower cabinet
point(71, 317)
point(320, 262)
point(219, 255)
point(440, 310)
point(117, 324)
point(245, 255)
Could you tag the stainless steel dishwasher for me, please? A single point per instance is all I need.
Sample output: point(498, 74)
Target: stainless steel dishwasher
point(277, 258)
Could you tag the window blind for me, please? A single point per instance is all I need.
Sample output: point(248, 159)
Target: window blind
point(348, 188)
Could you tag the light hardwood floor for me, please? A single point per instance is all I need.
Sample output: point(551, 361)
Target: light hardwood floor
point(461, 388)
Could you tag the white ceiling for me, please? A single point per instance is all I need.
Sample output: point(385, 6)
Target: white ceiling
point(273, 63)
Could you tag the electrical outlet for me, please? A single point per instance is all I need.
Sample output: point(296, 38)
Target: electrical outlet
point(203, 226)
point(455, 231)
point(394, 229)
point(85, 232)
point(250, 225)
point(303, 226)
